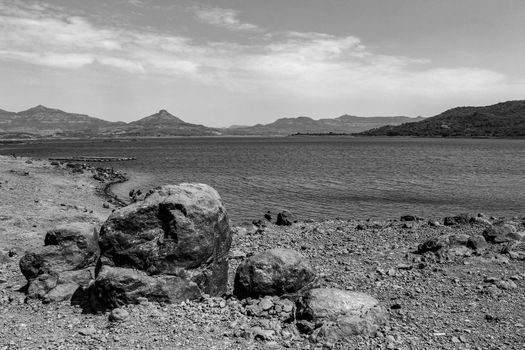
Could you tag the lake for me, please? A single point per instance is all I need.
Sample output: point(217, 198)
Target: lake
point(322, 177)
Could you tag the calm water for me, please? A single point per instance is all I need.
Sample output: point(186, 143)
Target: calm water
point(323, 177)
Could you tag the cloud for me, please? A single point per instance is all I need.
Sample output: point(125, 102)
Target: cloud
point(224, 18)
point(298, 64)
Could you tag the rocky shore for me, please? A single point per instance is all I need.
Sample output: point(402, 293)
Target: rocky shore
point(439, 283)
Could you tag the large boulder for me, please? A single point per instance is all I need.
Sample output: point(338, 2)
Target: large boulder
point(285, 218)
point(338, 314)
point(117, 286)
point(452, 245)
point(501, 233)
point(461, 219)
point(443, 242)
point(65, 264)
point(274, 272)
point(177, 233)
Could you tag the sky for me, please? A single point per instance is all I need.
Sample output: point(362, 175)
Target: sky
point(243, 62)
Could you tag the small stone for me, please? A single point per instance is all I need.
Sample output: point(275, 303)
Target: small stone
point(455, 340)
point(506, 285)
point(118, 315)
point(266, 304)
point(87, 331)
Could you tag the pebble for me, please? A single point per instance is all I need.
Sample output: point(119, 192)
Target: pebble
point(87, 331)
point(266, 304)
point(118, 315)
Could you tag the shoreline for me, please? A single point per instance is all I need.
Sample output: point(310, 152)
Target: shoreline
point(465, 299)
point(107, 193)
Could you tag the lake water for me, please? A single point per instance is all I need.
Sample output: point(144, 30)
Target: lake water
point(323, 177)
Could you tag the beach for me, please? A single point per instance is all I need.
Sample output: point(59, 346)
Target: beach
point(461, 299)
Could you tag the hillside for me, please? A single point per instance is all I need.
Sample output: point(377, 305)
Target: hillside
point(506, 119)
point(43, 121)
point(163, 124)
point(344, 124)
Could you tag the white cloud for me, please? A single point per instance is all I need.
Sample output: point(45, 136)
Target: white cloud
point(225, 18)
point(311, 65)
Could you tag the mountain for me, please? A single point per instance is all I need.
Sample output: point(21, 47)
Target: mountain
point(43, 121)
point(506, 119)
point(163, 124)
point(347, 124)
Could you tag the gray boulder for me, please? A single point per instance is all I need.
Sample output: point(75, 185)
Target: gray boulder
point(452, 245)
point(338, 314)
point(502, 233)
point(477, 242)
point(461, 219)
point(65, 264)
point(177, 234)
point(273, 272)
point(285, 218)
point(117, 286)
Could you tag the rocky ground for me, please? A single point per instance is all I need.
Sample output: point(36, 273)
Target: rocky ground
point(470, 299)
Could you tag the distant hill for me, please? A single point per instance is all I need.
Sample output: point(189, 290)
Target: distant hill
point(506, 119)
point(163, 124)
point(344, 124)
point(43, 121)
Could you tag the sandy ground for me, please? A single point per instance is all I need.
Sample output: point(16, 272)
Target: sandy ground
point(457, 303)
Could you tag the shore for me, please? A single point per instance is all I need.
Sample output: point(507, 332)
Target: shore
point(472, 300)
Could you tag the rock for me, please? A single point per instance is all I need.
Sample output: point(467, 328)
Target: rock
point(261, 334)
point(339, 314)
point(445, 242)
point(268, 216)
point(480, 220)
point(118, 315)
point(477, 242)
point(266, 303)
point(506, 285)
point(117, 286)
point(87, 331)
point(246, 228)
point(178, 239)
point(273, 272)
point(432, 245)
point(285, 218)
point(461, 219)
point(501, 233)
point(408, 218)
point(434, 223)
point(66, 262)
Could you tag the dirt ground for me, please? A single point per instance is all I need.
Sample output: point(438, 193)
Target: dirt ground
point(473, 301)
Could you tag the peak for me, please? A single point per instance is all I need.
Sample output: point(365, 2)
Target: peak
point(164, 114)
point(39, 108)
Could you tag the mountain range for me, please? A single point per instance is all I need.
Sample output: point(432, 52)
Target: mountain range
point(345, 124)
point(505, 119)
point(41, 121)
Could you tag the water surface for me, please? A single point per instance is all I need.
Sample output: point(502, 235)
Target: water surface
point(323, 177)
